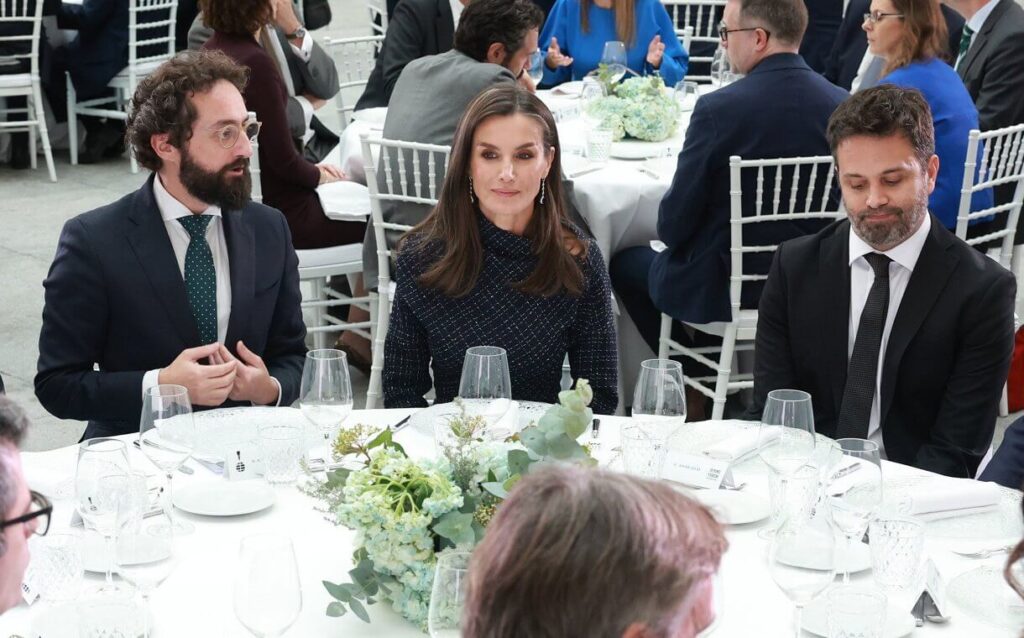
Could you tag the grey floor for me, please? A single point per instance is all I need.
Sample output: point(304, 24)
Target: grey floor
point(32, 212)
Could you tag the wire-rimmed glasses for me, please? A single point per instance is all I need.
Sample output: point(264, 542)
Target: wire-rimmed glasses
point(874, 17)
point(227, 136)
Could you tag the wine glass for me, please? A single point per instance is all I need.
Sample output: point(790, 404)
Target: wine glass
point(101, 480)
point(856, 497)
point(448, 595)
point(325, 394)
point(614, 57)
point(486, 386)
point(801, 559)
point(720, 67)
point(786, 436)
point(145, 560)
point(167, 436)
point(268, 596)
point(686, 94)
point(659, 399)
point(536, 70)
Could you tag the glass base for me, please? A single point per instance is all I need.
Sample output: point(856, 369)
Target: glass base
point(178, 528)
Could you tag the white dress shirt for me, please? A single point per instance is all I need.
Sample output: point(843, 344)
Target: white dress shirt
point(976, 22)
point(862, 277)
point(457, 8)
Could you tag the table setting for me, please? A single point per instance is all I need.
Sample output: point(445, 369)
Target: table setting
point(323, 520)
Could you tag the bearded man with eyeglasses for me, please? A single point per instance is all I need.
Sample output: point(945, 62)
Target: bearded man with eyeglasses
point(184, 281)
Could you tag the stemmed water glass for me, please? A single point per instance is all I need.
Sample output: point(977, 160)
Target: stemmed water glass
point(486, 386)
point(268, 595)
point(447, 595)
point(145, 560)
point(721, 69)
point(325, 394)
point(614, 57)
point(659, 399)
point(167, 436)
point(801, 559)
point(786, 436)
point(536, 69)
point(686, 94)
point(856, 497)
point(101, 482)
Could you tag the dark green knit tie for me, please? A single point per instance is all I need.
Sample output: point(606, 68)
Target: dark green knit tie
point(965, 44)
point(200, 277)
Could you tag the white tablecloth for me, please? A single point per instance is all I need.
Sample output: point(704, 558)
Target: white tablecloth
point(196, 600)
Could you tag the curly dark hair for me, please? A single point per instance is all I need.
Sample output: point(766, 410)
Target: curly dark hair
point(882, 111)
point(162, 102)
point(485, 22)
point(236, 17)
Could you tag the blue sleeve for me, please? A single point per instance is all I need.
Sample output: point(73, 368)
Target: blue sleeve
point(557, 26)
point(683, 208)
point(675, 60)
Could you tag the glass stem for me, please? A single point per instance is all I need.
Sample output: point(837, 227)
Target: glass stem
point(110, 541)
point(846, 566)
point(798, 620)
point(145, 612)
point(168, 503)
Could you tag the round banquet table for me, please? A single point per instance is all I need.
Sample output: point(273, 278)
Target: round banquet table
point(196, 600)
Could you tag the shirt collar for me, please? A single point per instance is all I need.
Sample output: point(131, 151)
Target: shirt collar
point(457, 8)
point(977, 21)
point(170, 208)
point(905, 254)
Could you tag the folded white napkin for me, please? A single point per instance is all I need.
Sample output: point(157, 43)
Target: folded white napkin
point(947, 498)
point(346, 199)
point(737, 445)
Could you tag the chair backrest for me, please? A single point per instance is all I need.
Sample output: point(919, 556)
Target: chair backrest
point(408, 172)
point(254, 168)
point(378, 16)
point(21, 20)
point(354, 58)
point(151, 31)
point(696, 21)
point(1002, 164)
point(798, 189)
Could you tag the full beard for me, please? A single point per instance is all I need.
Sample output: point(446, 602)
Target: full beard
point(886, 236)
point(229, 192)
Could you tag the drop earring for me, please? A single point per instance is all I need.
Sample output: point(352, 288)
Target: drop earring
point(472, 197)
point(542, 185)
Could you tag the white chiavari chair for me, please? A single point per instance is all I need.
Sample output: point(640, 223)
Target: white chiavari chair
point(354, 58)
point(796, 181)
point(696, 21)
point(378, 16)
point(407, 172)
point(150, 44)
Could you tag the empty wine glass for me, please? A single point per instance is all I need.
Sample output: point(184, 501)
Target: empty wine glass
point(486, 387)
point(167, 436)
point(856, 497)
point(101, 481)
point(536, 70)
point(448, 595)
point(268, 595)
point(786, 436)
point(614, 57)
point(801, 559)
point(145, 560)
point(659, 399)
point(686, 94)
point(325, 394)
point(720, 67)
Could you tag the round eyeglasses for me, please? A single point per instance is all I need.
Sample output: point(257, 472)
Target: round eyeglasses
point(227, 135)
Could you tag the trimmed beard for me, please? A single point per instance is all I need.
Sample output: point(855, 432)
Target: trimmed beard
point(217, 187)
point(884, 237)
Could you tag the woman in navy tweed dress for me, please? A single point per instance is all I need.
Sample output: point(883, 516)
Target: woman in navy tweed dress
point(497, 263)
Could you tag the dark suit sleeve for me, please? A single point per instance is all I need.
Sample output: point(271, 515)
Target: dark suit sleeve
point(1001, 99)
point(285, 352)
point(318, 76)
point(684, 207)
point(773, 357)
point(403, 44)
point(75, 321)
point(964, 425)
point(88, 17)
point(594, 355)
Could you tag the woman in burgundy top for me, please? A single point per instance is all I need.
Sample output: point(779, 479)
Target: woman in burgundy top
point(289, 180)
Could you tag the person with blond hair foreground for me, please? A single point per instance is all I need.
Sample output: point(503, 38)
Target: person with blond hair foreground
point(639, 553)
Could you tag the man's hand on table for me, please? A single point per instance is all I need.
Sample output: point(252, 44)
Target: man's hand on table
point(206, 384)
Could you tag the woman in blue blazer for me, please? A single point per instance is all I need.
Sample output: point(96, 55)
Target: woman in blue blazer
point(576, 30)
point(911, 36)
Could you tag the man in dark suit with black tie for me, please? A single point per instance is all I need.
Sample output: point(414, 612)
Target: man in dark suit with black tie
point(184, 281)
point(417, 28)
point(900, 332)
point(780, 109)
point(850, 45)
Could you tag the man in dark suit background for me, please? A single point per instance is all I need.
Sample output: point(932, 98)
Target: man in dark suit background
point(900, 332)
point(417, 28)
point(851, 43)
point(823, 20)
point(780, 109)
point(184, 281)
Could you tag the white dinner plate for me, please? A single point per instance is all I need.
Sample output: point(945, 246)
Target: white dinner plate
point(218, 430)
point(638, 149)
point(898, 622)
point(733, 507)
point(422, 422)
point(61, 621)
point(350, 199)
point(855, 560)
point(224, 498)
point(572, 89)
point(94, 552)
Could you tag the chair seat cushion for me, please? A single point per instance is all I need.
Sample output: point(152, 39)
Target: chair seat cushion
point(332, 255)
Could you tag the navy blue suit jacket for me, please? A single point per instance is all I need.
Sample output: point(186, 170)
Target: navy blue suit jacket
point(1007, 465)
point(780, 109)
point(100, 50)
point(823, 20)
point(115, 297)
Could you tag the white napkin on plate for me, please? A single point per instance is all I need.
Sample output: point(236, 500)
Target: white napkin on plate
point(736, 445)
point(947, 498)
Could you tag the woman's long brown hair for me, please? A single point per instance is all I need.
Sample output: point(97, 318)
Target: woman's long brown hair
point(453, 226)
point(924, 33)
point(625, 19)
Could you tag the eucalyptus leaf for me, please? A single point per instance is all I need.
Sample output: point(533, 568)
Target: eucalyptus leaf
point(535, 441)
point(456, 527)
point(510, 482)
point(358, 609)
point(518, 461)
point(334, 610)
point(496, 489)
point(340, 592)
point(564, 448)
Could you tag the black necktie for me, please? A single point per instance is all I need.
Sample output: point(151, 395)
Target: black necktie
point(855, 413)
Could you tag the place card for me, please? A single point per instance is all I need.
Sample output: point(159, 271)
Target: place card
point(696, 470)
point(931, 604)
point(242, 461)
point(28, 592)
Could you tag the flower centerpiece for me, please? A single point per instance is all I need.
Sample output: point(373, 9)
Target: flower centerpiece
point(638, 108)
point(407, 512)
